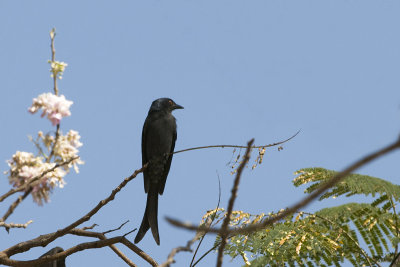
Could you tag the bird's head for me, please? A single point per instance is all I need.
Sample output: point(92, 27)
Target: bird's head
point(164, 104)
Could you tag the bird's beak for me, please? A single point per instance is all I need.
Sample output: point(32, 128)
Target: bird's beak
point(176, 106)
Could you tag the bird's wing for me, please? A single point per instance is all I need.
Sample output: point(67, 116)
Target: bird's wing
point(145, 157)
point(167, 165)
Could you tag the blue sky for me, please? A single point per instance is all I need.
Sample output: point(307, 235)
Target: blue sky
point(241, 69)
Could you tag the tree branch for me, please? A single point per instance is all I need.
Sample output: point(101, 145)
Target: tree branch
point(53, 59)
point(44, 240)
point(15, 204)
point(223, 233)
point(212, 220)
point(300, 204)
point(176, 250)
point(237, 146)
point(125, 241)
point(15, 225)
point(5, 259)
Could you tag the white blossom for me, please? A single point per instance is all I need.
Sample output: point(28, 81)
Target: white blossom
point(42, 176)
point(55, 107)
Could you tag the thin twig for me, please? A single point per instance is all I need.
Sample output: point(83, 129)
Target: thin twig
point(300, 204)
point(15, 204)
point(176, 250)
point(116, 229)
point(223, 233)
point(38, 147)
point(236, 146)
point(15, 225)
point(205, 254)
point(212, 220)
point(53, 58)
point(55, 142)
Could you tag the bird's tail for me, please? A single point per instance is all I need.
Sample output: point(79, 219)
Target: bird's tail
point(150, 216)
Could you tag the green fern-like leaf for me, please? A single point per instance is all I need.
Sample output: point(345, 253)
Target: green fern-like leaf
point(352, 185)
point(327, 237)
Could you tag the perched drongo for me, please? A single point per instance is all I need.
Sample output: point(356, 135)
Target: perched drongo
point(158, 142)
point(55, 263)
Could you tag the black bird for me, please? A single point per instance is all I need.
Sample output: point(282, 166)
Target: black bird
point(55, 263)
point(158, 143)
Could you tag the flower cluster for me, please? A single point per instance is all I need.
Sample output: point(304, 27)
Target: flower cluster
point(26, 169)
point(57, 68)
point(42, 176)
point(66, 149)
point(55, 107)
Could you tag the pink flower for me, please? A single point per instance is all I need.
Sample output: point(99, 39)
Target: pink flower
point(55, 107)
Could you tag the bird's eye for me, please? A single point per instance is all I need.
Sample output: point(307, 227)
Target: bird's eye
point(170, 102)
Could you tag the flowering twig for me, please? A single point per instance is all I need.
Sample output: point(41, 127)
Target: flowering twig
point(53, 58)
point(25, 186)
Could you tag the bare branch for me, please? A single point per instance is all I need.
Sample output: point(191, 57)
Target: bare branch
point(176, 250)
point(205, 254)
point(138, 251)
point(4, 258)
point(302, 203)
point(223, 233)
point(116, 229)
point(124, 241)
point(212, 220)
point(236, 146)
point(14, 205)
point(44, 240)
